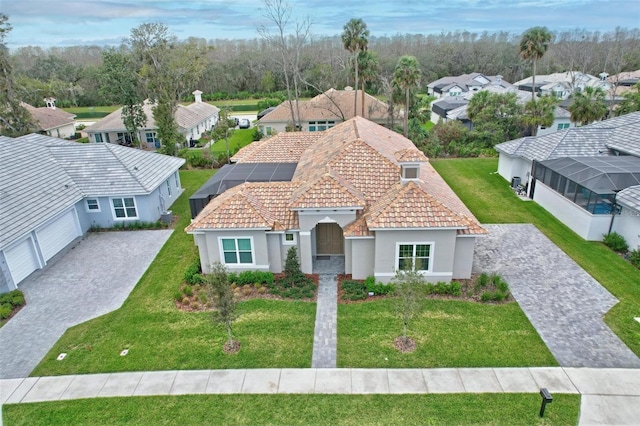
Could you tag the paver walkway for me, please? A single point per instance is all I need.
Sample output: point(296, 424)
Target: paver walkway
point(610, 396)
point(325, 336)
point(93, 278)
point(562, 301)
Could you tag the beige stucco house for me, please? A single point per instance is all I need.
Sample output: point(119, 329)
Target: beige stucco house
point(360, 192)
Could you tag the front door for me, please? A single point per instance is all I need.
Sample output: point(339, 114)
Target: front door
point(329, 239)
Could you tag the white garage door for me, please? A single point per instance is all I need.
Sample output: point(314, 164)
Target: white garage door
point(22, 260)
point(56, 235)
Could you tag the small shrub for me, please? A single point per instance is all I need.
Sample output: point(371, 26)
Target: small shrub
point(483, 280)
point(502, 286)
point(455, 289)
point(177, 296)
point(5, 310)
point(195, 305)
point(187, 290)
point(634, 257)
point(378, 288)
point(193, 275)
point(353, 290)
point(615, 242)
point(486, 296)
point(203, 298)
point(14, 298)
point(262, 290)
point(186, 301)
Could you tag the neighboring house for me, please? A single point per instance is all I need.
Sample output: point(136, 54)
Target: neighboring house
point(193, 120)
point(360, 192)
point(627, 222)
point(453, 91)
point(455, 108)
point(576, 173)
point(52, 121)
point(55, 190)
point(562, 84)
point(325, 111)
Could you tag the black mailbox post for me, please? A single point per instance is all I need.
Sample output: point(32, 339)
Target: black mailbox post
point(546, 399)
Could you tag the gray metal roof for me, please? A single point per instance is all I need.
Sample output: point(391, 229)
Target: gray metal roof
point(598, 139)
point(602, 175)
point(33, 188)
point(42, 176)
point(630, 197)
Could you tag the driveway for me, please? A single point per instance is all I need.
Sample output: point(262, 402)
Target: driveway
point(562, 301)
point(91, 279)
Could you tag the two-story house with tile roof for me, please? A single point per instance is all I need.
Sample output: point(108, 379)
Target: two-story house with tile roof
point(359, 192)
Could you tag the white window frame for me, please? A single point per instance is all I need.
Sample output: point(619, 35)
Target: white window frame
point(150, 137)
point(113, 208)
point(88, 206)
point(168, 188)
point(292, 242)
point(98, 137)
point(431, 245)
point(237, 264)
point(177, 180)
point(406, 167)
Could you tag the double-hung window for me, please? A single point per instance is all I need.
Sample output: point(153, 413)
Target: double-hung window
point(415, 257)
point(92, 205)
point(124, 208)
point(237, 251)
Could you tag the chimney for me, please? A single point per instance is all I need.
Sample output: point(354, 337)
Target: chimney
point(198, 95)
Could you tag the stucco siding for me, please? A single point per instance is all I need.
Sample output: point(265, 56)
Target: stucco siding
point(209, 248)
point(509, 166)
point(589, 226)
point(627, 224)
point(342, 218)
point(463, 257)
point(362, 257)
point(442, 252)
point(275, 249)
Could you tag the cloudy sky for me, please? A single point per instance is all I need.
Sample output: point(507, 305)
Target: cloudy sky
point(49, 23)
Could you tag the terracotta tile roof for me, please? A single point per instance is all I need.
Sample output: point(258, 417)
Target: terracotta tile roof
point(354, 164)
point(408, 205)
point(280, 148)
point(328, 191)
point(333, 104)
point(410, 155)
point(249, 205)
point(49, 118)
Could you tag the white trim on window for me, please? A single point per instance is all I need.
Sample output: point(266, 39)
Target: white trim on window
point(415, 254)
point(98, 137)
point(289, 239)
point(168, 188)
point(124, 208)
point(175, 177)
point(238, 252)
point(92, 205)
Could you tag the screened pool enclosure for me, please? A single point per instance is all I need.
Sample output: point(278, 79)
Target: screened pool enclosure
point(589, 182)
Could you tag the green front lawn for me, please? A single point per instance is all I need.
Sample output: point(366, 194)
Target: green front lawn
point(237, 139)
point(477, 409)
point(447, 334)
point(489, 197)
point(160, 337)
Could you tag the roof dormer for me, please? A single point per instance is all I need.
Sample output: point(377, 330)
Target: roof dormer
point(409, 160)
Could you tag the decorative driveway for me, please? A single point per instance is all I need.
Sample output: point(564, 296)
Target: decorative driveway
point(91, 279)
point(562, 301)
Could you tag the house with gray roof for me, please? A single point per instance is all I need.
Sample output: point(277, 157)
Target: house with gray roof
point(68, 188)
point(578, 174)
point(192, 120)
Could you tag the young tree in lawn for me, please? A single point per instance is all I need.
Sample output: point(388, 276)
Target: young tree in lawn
point(406, 77)
point(539, 112)
point(409, 294)
point(355, 38)
point(533, 45)
point(15, 120)
point(224, 302)
point(588, 105)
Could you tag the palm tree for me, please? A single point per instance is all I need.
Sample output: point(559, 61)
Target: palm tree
point(533, 45)
point(588, 105)
point(355, 39)
point(539, 112)
point(406, 76)
point(368, 64)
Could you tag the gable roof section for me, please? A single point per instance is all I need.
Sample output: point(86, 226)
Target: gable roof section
point(329, 191)
point(49, 118)
point(619, 133)
point(332, 105)
point(33, 188)
point(249, 206)
point(280, 148)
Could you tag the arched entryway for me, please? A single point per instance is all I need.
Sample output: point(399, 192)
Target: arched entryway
point(329, 239)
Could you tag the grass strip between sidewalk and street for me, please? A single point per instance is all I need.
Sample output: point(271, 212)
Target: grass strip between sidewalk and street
point(291, 409)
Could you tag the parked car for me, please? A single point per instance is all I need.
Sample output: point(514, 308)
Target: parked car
point(265, 112)
point(244, 123)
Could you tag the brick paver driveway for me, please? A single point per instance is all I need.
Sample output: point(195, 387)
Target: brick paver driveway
point(92, 279)
point(564, 303)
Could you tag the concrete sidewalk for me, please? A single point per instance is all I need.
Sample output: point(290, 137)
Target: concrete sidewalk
point(610, 396)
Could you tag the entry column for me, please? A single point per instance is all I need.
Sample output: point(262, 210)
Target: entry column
point(306, 252)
